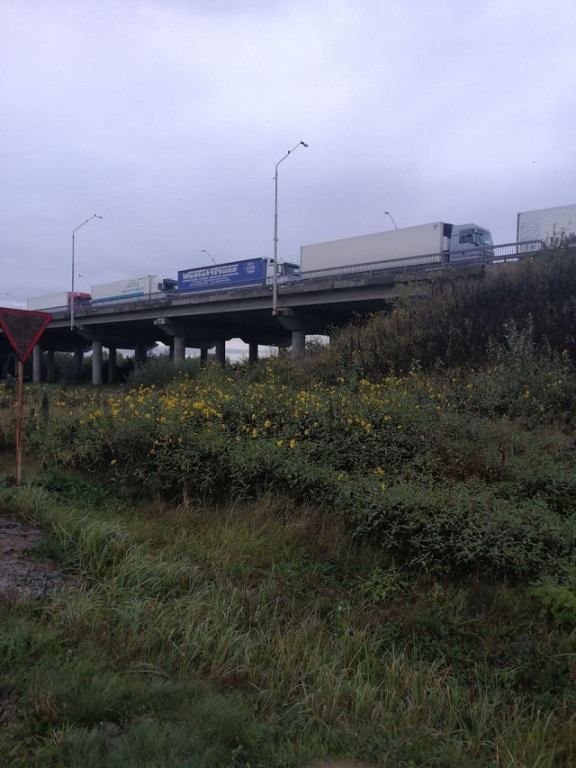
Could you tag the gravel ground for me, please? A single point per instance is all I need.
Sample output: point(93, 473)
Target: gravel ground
point(21, 576)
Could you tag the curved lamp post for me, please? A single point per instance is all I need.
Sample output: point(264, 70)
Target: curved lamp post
point(95, 216)
point(209, 255)
point(275, 262)
point(85, 278)
point(387, 213)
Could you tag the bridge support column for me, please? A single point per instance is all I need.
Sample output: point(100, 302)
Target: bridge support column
point(78, 360)
point(298, 343)
point(97, 362)
point(221, 353)
point(179, 354)
point(140, 354)
point(111, 365)
point(252, 353)
point(37, 364)
point(203, 357)
point(50, 365)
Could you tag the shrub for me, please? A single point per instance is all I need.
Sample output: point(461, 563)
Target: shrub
point(160, 370)
point(460, 317)
point(558, 604)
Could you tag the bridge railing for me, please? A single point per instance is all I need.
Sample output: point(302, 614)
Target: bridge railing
point(429, 262)
point(414, 264)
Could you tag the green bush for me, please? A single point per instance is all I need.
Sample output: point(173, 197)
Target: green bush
point(558, 604)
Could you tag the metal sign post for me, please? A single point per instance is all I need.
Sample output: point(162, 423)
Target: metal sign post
point(19, 418)
point(23, 329)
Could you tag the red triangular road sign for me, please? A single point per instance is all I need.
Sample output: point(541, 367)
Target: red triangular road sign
point(23, 329)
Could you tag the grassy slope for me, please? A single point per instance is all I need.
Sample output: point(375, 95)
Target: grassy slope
point(256, 635)
point(261, 633)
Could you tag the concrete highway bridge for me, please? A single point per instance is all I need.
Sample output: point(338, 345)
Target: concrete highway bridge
point(313, 305)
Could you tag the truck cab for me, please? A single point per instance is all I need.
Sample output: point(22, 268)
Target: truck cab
point(287, 271)
point(469, 242)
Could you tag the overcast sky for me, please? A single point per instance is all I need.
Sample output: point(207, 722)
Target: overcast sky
point(167, 118)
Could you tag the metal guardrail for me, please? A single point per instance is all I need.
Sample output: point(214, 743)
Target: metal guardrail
point(428, 263)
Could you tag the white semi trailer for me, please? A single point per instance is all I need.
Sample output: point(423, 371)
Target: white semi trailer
point(438, 242)
point(131, 288)
point(60, 300)
point(546, 223)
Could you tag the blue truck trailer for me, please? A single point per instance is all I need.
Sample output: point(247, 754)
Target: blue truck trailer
point(235, 274)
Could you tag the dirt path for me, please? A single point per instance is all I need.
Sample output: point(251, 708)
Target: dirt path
point(21, 576)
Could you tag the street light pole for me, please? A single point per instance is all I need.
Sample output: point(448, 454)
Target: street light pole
point(387, 213)
point(209, 255)
point(95, 216)
point(275, 260)
point(85, 278)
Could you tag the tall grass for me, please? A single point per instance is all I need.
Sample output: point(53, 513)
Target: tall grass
point(306, 636)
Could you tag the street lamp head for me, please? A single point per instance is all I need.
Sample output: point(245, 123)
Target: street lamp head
point(303, 143)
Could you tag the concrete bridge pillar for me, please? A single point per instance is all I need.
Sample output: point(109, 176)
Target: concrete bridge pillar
point(179, 354)
point(298, 343)
point(97, 362)
point(203, 357)
point(37, 364)
point(50, 365)
point(252, 353)
point(78, 359)
point(140, 354)
point(221, 353)
point(111, 364)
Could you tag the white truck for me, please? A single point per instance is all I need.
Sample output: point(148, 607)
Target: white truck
point(546, 224)
point(438, 242)
point(61, 300)
point(131, 288)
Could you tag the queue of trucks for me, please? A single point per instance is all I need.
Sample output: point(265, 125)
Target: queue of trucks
point(419, 247)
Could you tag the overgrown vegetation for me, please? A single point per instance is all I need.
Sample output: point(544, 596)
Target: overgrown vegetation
point(463, 318)
point(370, 554)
